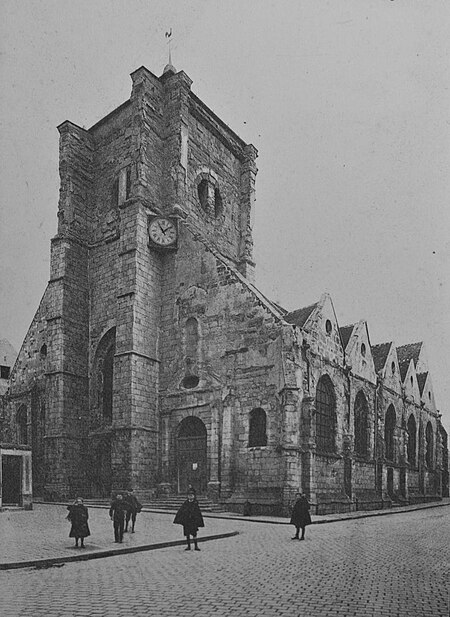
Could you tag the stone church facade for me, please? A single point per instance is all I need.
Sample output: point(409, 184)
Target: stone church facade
point(153, 361)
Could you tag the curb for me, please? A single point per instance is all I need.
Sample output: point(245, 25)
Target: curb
point(55, 561)
point(350, 516)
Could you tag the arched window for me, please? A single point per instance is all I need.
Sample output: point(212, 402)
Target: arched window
point(389, 428)
point(429, 446)
point(325, 415)
point(22, 428)
point(361, 424)
point(412, 440)
point(257, 435)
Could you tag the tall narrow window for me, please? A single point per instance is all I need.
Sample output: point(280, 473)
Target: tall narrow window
point(361, 424)
point(218, 203)
point(128, 183)
point(192, 339)
point(108, 374)
point(191, 379)
point(325, 415)
point(429, 446)
point(202, 190)
point(22, 422)
point(389, 428)
point(412, 441)
point(104, 383)
point(257, 434)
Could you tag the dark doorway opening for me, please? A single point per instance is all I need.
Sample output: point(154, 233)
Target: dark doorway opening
point(12, 480)
point(191, 455)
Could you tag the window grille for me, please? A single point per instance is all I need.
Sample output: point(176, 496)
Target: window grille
point(412, 441)
point(325, 416)
point(429, 446)
point(389, 427)
point(361, 424)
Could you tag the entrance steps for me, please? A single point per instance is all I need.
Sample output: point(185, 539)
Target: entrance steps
point(169, 502)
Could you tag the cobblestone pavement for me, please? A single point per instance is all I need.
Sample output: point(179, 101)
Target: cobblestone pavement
point(392, 566)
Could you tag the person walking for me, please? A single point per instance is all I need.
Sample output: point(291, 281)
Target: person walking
point(133, 508)
point(78, 516)
point(190, 516)
point(117, 514)
point(300, 516)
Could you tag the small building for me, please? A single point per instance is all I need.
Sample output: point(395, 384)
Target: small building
point(15, 458)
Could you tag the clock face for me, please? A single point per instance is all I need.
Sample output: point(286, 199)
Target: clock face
point(162, 231)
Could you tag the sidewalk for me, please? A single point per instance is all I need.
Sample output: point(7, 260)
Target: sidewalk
point(39, 538)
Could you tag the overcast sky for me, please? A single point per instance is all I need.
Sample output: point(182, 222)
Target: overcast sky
point(347, 101)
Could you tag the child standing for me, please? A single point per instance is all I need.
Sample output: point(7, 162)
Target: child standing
point(191, 518)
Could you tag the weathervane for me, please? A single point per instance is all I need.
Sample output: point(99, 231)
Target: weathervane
point(169, 41)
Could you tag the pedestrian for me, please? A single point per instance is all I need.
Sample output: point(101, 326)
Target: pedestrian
point(78, 516)
point(300, 516)
point(191, 518)
point(133, 508)
point(117, 514)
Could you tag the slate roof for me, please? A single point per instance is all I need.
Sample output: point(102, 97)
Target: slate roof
point(409, 352)
point(421, 380)
point(346, 332)
point(405, 354)
point(380, 353)
point(299, 317)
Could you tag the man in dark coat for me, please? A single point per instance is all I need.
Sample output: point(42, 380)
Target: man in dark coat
point(300, 516)
point(191, 518)
point(133, 508)
point(117, 514)
point(78, 516)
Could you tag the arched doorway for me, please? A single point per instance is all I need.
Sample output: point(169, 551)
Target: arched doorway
point(191, 455)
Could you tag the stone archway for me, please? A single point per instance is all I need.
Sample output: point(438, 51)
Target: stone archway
point(192, 455)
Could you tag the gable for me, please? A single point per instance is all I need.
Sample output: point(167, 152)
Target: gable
point(358, 352)
point(391, 370)
point(410, 383)
point(426, 390)
point(321, 330)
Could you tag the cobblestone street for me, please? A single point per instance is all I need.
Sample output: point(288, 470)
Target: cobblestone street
point(395, 565)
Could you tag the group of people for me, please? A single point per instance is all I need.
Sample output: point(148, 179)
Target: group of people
point(125, 507)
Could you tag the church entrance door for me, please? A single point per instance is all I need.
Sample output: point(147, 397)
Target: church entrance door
point(191, 455)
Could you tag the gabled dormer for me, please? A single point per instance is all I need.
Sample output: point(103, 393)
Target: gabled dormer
point(409, 381)
point(386, 365)
point(426, 391)
point(320, 328)
point(358, 351)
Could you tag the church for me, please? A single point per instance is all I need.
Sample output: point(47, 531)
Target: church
point(154, 362)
